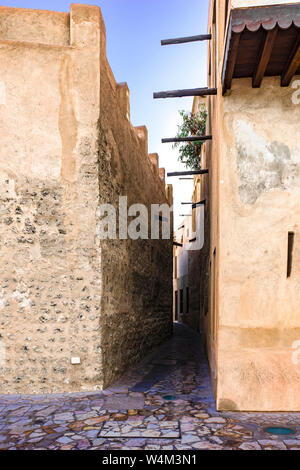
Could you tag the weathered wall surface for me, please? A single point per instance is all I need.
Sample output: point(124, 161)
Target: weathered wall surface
point(46, 27)
point(187, 272)
point(50, 279)
point(259, 205)
point(136, 305)
point(181, 272)
point(208, 256)
point(249, 309)
point(57, 162)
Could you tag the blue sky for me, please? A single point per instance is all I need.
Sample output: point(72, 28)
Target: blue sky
point(134, 30)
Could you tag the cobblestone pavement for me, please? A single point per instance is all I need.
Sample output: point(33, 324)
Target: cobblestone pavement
point(164, 403)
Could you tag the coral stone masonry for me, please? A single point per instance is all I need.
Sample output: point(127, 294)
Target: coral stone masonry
point(75, 310)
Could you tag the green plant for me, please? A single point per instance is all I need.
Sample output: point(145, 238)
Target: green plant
point(192, 125)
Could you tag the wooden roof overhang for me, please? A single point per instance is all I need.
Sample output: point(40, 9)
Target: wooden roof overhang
point(262, 41)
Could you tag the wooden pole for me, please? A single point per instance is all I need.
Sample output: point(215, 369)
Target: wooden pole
point(264, 57)
point(183, 173)
point(200, 37)
point(200, 203)
point(189, 92)
point(293, 63)
point(194, 203)
point(196, 138)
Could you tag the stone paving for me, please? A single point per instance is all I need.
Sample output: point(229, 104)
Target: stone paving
point(163, 404)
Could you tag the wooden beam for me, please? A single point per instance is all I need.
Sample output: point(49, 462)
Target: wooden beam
point(234, 47)
point(200, 203)
point(177, 244)
point(193, 138)
point(264, 57)
point(194, 204)
point(292, 64)
point(200, 37)
point(186, 173)
point(182, 93)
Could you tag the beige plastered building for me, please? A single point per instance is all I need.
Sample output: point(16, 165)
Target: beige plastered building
point(249, 284)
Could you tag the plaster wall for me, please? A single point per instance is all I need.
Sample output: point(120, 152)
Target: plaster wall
point(39, 26)
point(249, 309)
point(259, 205)
point(66, 146)
point(187, 275)
point(50, 279)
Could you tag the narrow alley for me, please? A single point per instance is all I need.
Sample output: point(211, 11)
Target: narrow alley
point(165, 403)
point(149, 293)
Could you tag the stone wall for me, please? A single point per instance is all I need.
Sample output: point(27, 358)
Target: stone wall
point(66, 146)
point(136, 305)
